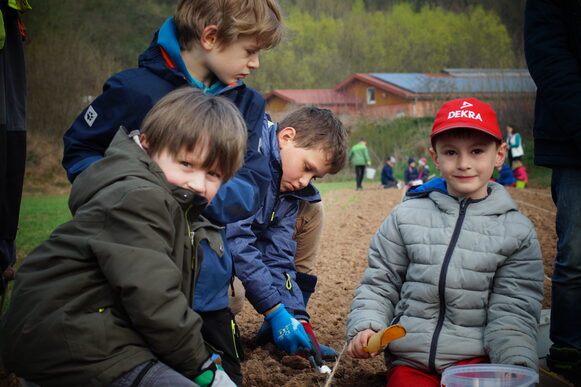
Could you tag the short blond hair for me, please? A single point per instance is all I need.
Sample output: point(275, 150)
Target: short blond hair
point(186, 119)
point(319, 128)
point(234, 18)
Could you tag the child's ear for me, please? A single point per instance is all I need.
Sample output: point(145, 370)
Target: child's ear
point(286, 135)
point(500, 155)
point(209, 38)
point(143, 141)
point(434, 158)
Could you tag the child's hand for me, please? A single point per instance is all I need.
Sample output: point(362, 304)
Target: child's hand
point(355, 348)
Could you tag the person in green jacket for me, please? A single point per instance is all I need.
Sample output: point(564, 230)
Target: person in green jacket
point(106, 300)
point(359, 157)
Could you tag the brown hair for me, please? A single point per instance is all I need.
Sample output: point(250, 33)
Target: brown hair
point(317, 127)
point(186, 119)
point(260, 18)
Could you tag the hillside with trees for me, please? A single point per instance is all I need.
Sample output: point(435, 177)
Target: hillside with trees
point(74, 46)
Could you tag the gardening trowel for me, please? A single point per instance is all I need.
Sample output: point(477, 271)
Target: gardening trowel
point(384, 337)
point(314, 357)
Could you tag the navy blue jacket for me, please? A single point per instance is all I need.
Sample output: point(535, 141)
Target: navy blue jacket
point(262, 245)
point(216, 267)
point(387, 175)
point(410, 175)
point(130, 94)
point(553, 53)
point(506, 177)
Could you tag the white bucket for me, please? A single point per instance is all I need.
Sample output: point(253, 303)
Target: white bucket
point(489, 375)
point(370, 172)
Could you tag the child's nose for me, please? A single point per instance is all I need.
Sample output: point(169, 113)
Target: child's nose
point(197, 183)
point(305, 180)
point(254, 62)
point(464, 161)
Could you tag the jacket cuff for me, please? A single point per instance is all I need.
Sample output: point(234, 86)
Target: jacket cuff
point(306, 282)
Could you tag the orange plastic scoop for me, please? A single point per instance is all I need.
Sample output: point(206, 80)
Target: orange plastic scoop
point(384, 337)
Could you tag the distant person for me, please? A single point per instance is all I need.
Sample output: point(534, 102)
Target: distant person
point(106, 299)
point(520, 174)
point(308, 143)
point(456, 264)
point(423, 170)
point(505, 175)
point(514, 142)
point(553, 54)
point(411, 172)
point(359, 157)
point(13, 99)
point(387, 179)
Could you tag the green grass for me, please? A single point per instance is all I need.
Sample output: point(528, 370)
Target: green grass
point(324, 187)
point(39, 216)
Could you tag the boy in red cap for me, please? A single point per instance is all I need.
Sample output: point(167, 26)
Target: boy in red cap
point(455, 263)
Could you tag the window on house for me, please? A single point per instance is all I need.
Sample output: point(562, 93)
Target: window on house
point(371, 95)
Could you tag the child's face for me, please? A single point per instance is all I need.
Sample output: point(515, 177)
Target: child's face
point(233, 62)
point(467, 163)
point(186, 171)
point(299, 165)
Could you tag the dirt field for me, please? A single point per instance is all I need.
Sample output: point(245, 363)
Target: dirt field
point(352, 217)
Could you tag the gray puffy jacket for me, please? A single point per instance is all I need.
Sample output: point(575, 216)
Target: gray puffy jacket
point(465, 278)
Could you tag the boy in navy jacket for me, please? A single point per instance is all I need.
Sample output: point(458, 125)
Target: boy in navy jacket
point(309, 143)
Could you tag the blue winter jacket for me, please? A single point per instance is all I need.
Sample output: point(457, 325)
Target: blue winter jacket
point(506, 177)
point(387, 175)
point(130, 94)
point(216, 267)
point(263, 247)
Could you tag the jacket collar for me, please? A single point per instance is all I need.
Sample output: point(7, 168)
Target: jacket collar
point(498, 201)
point(269, 146)
point(167, 39)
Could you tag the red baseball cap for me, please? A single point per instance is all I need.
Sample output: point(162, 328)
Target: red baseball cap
point(468, 113)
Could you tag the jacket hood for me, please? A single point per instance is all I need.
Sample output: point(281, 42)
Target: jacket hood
point(269, 146)
point(125, 160)
point(497, 202)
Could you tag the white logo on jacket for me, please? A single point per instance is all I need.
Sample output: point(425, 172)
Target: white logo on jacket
point(90, 116)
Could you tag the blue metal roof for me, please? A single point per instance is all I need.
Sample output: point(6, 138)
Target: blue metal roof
point(462, 81)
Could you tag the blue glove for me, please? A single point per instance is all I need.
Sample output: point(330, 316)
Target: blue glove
point(287, 332)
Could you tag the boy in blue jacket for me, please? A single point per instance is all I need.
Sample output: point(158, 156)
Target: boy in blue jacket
point(505, 175)
point(212, 45)
point(307, 144)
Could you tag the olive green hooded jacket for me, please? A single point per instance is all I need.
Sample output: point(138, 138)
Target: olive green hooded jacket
point(111, 288)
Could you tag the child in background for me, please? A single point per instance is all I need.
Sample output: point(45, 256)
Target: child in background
point(411, 172)
point(520, 174)
point(387, 179)
point(106, 300)
point(467, 285)
point(505, 175)
point(423, 169)
point(309, 143)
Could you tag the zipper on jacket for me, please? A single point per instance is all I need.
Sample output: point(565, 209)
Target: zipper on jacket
point(193, 258)
point(442, 284)
point(233, 326)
